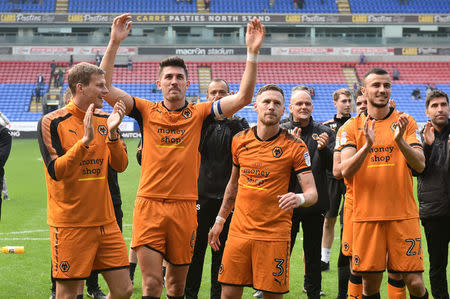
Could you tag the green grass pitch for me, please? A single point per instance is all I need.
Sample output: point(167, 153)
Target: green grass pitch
point(24, 223)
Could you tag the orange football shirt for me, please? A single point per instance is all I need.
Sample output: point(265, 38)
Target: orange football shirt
point(264, 171)
point(383, 186)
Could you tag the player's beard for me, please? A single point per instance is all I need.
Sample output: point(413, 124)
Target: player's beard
point(270, 122)
point(378, 105)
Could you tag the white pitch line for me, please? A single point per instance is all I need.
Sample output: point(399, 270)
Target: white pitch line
point(26, 232)
point(36, 239)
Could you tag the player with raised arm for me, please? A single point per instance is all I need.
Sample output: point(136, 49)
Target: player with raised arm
point(164, 221)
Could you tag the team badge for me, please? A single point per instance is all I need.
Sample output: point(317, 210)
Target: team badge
point(221, 269)
point(356, 259)
point(64, 266)
point(394, 126)
point(277, 152)
point(187, 113)
point(307, 158)
point(102, 130)
point(315, 136)
point(346, 246)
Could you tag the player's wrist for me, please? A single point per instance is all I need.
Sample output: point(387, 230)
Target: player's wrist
point(301, 199)
point(220, 220)
point(252, 56)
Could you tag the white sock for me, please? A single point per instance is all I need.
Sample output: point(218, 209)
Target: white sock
point(326, 255)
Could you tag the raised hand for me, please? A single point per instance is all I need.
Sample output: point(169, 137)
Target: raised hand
point(392, 103)
point(121, 27)
point(88, 127)
point(369, 131)
point(428, 133)
point(255, 36)
point(322, 141)
point(297, 132)
point(401, 127)
point(115, 119)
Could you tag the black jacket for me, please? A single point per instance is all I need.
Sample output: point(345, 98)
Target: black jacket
point(321, 161)
point(434, 182)
point(5, 149)
point(215, 149)
point(334, 124)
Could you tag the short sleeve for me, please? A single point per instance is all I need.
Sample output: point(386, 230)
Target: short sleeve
point(234, 151)
point(347, 136)
point(412, 134)
point(302, 160)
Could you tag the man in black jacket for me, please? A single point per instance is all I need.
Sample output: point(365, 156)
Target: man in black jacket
point(320, 142)
point(342, 100)
point(433, 190)
point(215, 170)
point(5, 149)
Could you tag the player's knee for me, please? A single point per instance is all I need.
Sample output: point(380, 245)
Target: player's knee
point(415, 284)
point(123, 293)
point(152, 281)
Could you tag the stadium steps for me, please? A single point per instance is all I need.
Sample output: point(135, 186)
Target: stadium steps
point(350, 76)
point(204, 77)
point(35, 106)
point(62, 6)
point(201, 7)
point(343, 6)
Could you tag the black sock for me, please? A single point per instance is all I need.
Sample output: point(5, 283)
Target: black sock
point(92, 281)
point(80, 296)
point(132, 269)
point(374, 296)
point(149, 297)
point(173, 297)
point(343, 277)
point(423, 297)
point(396, 283)
point(355, 279)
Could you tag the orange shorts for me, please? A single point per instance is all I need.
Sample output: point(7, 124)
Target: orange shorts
point(395, 244)
point(76, 251)
point(166, 226)
point(263, 265)
point(347, 231)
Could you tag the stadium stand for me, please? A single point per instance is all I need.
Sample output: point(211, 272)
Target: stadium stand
point(394, 6)
point(133, 6)
point(18, 80)
point(28, 6)
point(280, 6)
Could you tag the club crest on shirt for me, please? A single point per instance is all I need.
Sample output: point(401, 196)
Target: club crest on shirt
point(315, 136)
point(356, 259)
point(394, 126)
point(102, 130)
point(277, 152)
point(187, 113)
point(64, 266)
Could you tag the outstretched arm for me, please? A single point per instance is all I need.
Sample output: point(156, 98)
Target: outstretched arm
point(119, 31)
point(254, 39)
point(225, 210)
